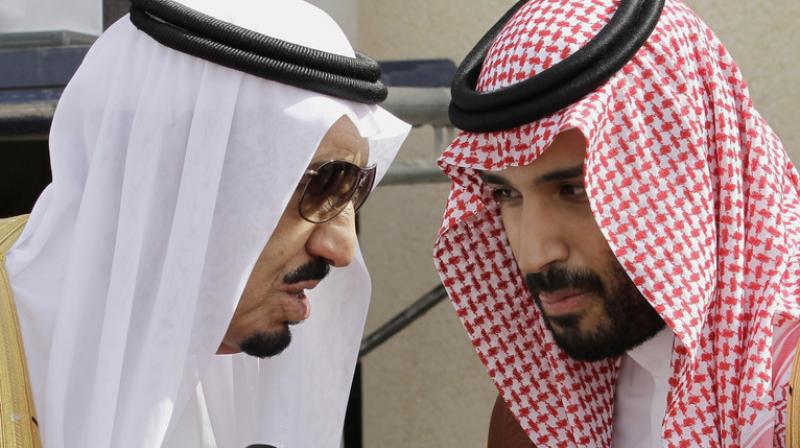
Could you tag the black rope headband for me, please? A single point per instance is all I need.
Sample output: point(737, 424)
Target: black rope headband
point(557, 87)
point(189, 31)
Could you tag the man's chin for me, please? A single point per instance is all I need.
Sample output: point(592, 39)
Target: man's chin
point(579, 344)
point(596, 344)
point(266, 344)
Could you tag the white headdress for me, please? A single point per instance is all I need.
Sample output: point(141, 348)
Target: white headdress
point(169, 175)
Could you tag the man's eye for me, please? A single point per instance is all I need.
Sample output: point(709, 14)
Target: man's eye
point(573, 191)
point(504, 194)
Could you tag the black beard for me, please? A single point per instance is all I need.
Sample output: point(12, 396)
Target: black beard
point(631, 318)
point(267, 344)
point(316, 269)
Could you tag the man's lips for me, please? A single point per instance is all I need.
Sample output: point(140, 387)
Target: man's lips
point(299, 307)
point(563, 302)
point(298, 289)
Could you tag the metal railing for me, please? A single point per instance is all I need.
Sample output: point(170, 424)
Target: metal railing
point(402, 320)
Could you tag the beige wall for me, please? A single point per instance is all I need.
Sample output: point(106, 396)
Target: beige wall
point(344, 12)
point(83, 16)
point(426, 387)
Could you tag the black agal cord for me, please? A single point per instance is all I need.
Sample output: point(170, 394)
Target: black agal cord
point(189, 31)
point(557, 87)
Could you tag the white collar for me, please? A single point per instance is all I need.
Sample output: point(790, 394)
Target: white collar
point(655, 354)
point(641, 393)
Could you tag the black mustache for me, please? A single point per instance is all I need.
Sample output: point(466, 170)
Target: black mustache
point(315, 269)
point(558, 278)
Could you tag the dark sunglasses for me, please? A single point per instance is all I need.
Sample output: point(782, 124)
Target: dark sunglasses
point(329, 188)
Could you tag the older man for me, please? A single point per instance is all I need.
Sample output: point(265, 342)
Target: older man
point(622, 236)
point(207, 166)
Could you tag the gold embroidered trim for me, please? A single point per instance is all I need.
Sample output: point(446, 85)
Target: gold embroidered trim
point(793, 409)
point(18, 425)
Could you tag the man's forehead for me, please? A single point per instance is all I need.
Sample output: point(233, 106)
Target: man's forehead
point(342, 142)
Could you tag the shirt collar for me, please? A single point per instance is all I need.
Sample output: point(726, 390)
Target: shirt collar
point(655, 354)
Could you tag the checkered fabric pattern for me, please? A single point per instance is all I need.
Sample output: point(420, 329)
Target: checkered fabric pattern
point(696, 198)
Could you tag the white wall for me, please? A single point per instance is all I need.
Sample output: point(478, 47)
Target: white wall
point(85, 16)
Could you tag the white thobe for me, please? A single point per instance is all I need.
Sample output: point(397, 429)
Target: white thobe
point(640, 400)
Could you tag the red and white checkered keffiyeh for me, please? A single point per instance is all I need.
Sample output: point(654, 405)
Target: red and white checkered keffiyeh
point(698, 201)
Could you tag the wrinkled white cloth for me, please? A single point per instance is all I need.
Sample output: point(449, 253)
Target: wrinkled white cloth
point(169, 175)
point(640, 398)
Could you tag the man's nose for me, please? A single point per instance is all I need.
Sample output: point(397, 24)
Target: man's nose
point(335, 240)
point(542, 242)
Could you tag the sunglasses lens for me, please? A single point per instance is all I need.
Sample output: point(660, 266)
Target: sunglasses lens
point(364, 188)
point(329, 191)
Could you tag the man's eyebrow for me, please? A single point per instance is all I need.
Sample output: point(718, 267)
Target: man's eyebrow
point(490, 178)
point(561, 174)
